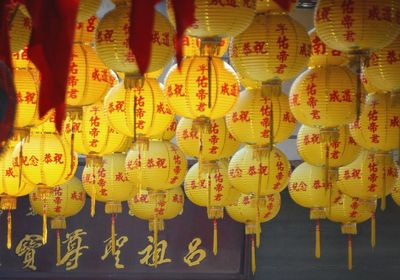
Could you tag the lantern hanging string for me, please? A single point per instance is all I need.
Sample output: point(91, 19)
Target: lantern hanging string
point(317, 239)
point(58, 246)
point(373, 229)
point(9, 228)
point(215, 238)
point(349, 252)
point(113, 234)
point(253, 255)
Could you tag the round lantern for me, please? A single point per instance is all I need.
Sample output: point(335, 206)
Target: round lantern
point(109, 183)
point(378, 127)
point(244, 211)
point(85, 30)
point(324, 96)
point(321, 54)
point(259, 170)
point(396, 188)
point(349, 211)
point(156, 209)
point(271, 6)
point(141, 112)
point(309, 188)
point(163, 166)
point(204, 88)
point(20, 30)
point(273, 48)
point(193, 46)
point(370, 176)
point(210, 145)
point(337, 151)
point(357, 25)
point(256, 114)
point(12, 185)
point(218, 19)
point(64, 201)
point(112, 45)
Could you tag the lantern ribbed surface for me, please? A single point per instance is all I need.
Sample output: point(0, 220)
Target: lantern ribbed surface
point(92, 134)
point(64, 200)
point(112, 41)
point(324, 96)
point(379, 124)
point(342, 150)
point(249, 163)
point(191, 47)
point(352, 25)
point(273, 47)
point(218, 18)
point(307, 186)
point(146, 206)
point(20, 61)
point(366, 176)
point(163, 166)
point(216, 144)
point(109, 180)
point(270, 6)
point(87, 8)
point(368, 86)
point(384, 66)
point(153, 114)
point(250, 119)
point(213, 182)
point(169, 133)
point(188, 89)
point(20, 31)
point(396, 188)
point(85, 30)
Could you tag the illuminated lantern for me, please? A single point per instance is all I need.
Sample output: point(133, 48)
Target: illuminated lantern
point(64, 201)
point(274, 48)
point(156, 209)
point(342, 150)
point(270, 6)
point(210, 145)
point(163, 166)
point(112, 42)
point(244, 211)
point(203, 89)
point(324, 96)
point(141, 112)
point(321, 54)
point(308, 188)
point(349, 211)
point(378, 127)
point(20, 30)
point(255, 110)
point(109, 184)
point(85, 31)
point(218, 18)
point(210, 189)
point(192, 47)
point(86, 9)
point(396, 189)
point(11, 186)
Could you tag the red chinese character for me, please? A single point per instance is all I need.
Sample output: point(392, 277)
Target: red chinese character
point(47, 158)
point(94, 120)
point(259, 47)
point(161, 163)
point(373, 13)
point(318, 47)
point(58, 158)
point(322, 14)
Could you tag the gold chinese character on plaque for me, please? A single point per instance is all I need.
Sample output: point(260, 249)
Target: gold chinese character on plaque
point(195, 255)
point(148, 252)
point(26, 248)
point(120, 242)
point(74, 249)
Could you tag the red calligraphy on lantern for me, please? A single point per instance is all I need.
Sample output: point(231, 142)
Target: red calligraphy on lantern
point(322, 14)
point(348, 20)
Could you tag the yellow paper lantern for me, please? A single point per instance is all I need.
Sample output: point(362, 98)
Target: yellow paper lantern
point(378, 127)
point(64, 201)
point(210, 145)
point(396, 188)
point(357, 25)
point(85, 30)
point(324, 96)
point(218, 18)
point(258, 170)
point(204, 88)
point(250, 119)
point(273, 47)
point(20, 31)
point(139, 112)
point(112, 41)
point(270, 6)
point(342, 149)
point(321, 54)
point(163, 166)
point(87, 8)
point(192, 46)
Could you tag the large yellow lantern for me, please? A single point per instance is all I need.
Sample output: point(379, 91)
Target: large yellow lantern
point(109, 184)
point(255, 114)
point(349, 211)
point(64, 201)
point(324, 96)
point(210, 145)
point(308, 188)
point(204, 88)
point(163, 166)
point(244, 211)
point(335, 152)
point(20, 30)
point(156, 209)
point(112, 45)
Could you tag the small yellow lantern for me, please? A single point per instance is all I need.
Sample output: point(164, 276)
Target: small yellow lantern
point(20, 30)
point(261, 112)
point(64, 201)
point(244, 211)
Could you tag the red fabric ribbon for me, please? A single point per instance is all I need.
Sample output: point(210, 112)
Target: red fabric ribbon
point(50, 48)
point(285, 4)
